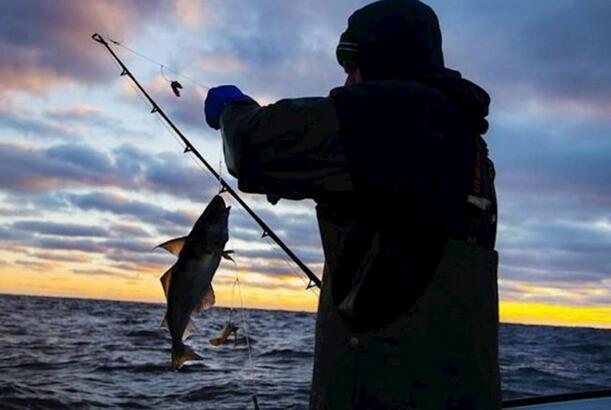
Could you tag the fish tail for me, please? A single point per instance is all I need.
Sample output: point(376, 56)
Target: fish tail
point(182, 354)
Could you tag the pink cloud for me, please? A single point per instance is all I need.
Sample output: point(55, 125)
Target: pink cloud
point(49, 43)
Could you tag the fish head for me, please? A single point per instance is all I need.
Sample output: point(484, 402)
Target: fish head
point(212, 224)
point(217, 211)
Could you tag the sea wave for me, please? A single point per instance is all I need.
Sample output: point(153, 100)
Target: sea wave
point(70, 354)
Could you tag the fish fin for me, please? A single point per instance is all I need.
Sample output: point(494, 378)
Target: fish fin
point(174, 246)
point(207, 301)
point(217, 341)
point(227, 255)
point(225, 333)
point(165, 281)
point(189, 330)
point(186, 354)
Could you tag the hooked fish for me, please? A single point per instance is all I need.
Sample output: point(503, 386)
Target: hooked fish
point(225, 333)
point(188, 283)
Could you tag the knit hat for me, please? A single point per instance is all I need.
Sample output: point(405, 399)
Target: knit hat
point(391, 40)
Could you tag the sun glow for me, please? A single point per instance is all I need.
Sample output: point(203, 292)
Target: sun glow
point(559, 315)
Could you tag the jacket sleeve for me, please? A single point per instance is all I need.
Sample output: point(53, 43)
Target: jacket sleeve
point(290, 149)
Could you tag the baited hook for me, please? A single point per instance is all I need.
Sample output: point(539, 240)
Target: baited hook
point(176, 87)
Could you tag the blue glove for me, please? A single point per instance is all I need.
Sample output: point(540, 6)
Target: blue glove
point(218, 98)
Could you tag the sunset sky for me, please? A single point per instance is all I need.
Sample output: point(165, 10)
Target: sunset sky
point(91, 182)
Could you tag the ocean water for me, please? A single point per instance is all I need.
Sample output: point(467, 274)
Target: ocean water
point(70, 353)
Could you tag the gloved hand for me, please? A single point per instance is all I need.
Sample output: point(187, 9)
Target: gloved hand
point(218, 98)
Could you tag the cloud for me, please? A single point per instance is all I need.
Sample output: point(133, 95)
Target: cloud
point(60, 257)
point(29, 169)
point(38, 266)
point(60, 229)
point(30, 126)
point(275, 253)
point(83, 245)
point(77, 112)
point(139, 210)
point(556, 53)
point(49, 43)
point(270, 50)
point(26, 169)
point(127, 230)
point(192, 14)
point(8, 234)
point(300, 229)
point(102, 272)
point(556, 253)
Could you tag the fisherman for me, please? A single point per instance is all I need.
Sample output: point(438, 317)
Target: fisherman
point(395, 160)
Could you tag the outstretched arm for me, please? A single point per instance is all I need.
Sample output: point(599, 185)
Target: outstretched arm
point(290, 149)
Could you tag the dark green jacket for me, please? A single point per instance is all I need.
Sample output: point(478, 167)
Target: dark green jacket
point(408, 316)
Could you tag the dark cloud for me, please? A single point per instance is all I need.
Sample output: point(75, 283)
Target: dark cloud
point(527, 50)
point(139, 210)
point(272, 50)
point(130, 231)
point(83, 245)
point(275, 253)
point(544, 159)
point(37, 170)
point(7, 233)
point(60, 229)
point(81, 156)
point(127, 245)
point(556, 253)
point(28, 169)
point(25, 125)
point(522, 51)
point(296, 228)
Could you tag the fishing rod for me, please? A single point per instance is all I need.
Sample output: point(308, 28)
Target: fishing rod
point(267, 231)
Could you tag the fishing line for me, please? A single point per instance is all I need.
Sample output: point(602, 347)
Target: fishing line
point(163, 66)
point(291, 267)
point(268, 241)
point(171, 132)
point(248, 346)
point(220, 170)
point(218, 180)
point(166, 126)
point(271, 244)
point(244, 323)
point(163, 75)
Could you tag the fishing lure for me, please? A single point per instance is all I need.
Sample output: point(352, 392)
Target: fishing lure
point(176, 87)
point(225, 333)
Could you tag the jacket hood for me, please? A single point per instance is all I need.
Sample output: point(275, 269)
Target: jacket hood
point(472, 99)
point(393, 40)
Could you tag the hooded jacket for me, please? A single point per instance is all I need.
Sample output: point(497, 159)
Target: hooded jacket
point(407, 216)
